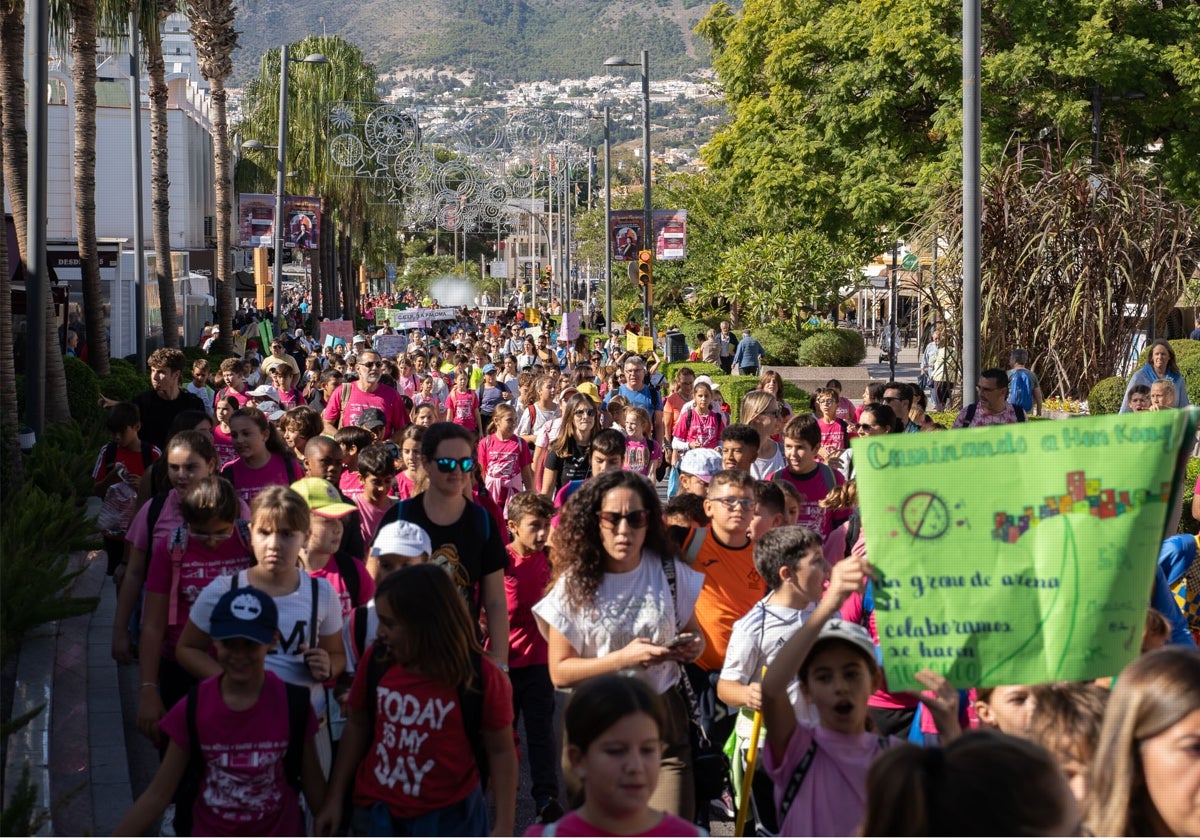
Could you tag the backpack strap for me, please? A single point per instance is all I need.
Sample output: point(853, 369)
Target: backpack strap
point(344, 401)
point(289, 466)
point(828, 477)
point(853, 527)
point(178, 546)
point(147, 455)
point(691, 550)
point(470, 700)
point(157, 501)
point(348, 572)
point(110, 456)
point(298, 702)
point(793, 786)
point(970, 415)
point(358, 626)
point(315, 591)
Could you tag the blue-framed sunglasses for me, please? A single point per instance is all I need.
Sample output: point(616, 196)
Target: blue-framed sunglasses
point(449, 465)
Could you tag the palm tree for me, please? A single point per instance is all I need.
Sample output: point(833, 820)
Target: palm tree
point(84, 17)
point(212, 29)
point(11, 452)
point(12, 103)
point(151, 15)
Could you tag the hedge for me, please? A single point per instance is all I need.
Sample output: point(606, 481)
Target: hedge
point(1188, 523)
point(699, 368)
point(831, 348)
point(1106, 396)
point(734, 388)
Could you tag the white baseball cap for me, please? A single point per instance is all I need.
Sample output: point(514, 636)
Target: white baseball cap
point(406, 539)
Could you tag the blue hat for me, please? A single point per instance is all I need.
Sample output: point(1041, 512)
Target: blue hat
point(489, 368)
point(245, 613)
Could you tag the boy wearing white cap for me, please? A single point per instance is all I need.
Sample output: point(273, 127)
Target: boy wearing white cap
point(696, 469)
point(398, 544)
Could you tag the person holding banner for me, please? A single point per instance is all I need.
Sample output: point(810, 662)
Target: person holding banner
point(820, 773)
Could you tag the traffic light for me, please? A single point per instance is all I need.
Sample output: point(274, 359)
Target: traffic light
point(644, 273)
point(549, 273)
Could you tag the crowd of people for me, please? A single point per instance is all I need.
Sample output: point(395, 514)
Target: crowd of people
point(412, 553)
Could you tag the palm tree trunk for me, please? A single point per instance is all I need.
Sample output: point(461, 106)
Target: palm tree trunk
point(10, 448)
point(160, 182)
point(224, 220)
point(83, 52)
point(12, 103)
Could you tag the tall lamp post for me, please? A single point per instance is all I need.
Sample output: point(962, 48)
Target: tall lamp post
point(280, 148)
point(607, 225)
point(647, 214)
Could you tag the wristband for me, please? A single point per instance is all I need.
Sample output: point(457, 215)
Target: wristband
point(502, 666)
point(149, 685)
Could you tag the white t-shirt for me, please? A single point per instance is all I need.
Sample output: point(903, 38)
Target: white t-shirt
point(755, 641)
point(286, 660)
point(762, 468)
point(540, 419)
point(628, 606)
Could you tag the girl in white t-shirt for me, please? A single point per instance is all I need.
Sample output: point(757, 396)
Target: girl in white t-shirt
point(614, 607)
point(309, 651)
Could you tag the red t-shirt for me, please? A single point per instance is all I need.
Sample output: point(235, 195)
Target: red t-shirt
point(249, 482)
point(199, 566)
point(243, 791)
point(420, 758)
point(131, 458)
point(385, 398)
point(525, 580)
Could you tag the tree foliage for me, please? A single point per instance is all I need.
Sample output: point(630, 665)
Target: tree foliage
point(847, 118)
point(1070, 258)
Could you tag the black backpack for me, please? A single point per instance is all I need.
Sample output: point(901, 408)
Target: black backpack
point(970, 415)
point(299, 708)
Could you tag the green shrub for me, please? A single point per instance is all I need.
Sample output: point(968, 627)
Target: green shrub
point(123, 381)
point(1188, 523)
point(944, 418)
point(855, 344)
point(62, 460)
point(1183, 347)
point(1106, 395)
point(781, 341)
point(734, 388)
point(830, 348)
point(83, 392)
point(36, 542)
point(699, 368)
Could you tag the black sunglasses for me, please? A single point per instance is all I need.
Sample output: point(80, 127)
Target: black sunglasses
point(635, 518)
point(449, 465)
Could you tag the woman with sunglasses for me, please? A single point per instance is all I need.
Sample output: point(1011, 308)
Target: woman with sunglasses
point(569, 458)
point(621, 600)
point(466, 541)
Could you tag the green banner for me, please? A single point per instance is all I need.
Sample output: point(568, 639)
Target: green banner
point(1018, 554)
point(266, 333)
point(385, 315)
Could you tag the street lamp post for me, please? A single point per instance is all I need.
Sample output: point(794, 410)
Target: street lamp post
point(281, 172)
point(647, 213)
point(607, 225)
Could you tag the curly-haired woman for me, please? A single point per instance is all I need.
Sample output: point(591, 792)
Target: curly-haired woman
point(613, 607)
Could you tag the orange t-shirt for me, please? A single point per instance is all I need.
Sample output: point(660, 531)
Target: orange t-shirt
point(731, 588)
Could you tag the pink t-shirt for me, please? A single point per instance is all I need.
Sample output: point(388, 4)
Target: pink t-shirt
point(640, 454)
point(199, 566)
point(404, 486)
point(244, 791)
point(249, 482)
point(812, 490)
point(847, 411)
point(333, 574)
point(503, 459)
point(224, 446)
point(525, 581)
point(460, 408)
point(169, 518)
point(370, 516)
point(385, 398)
point(833, 435)
point(704, 429)
point(573, 825)
point(350, 484)
point(833, 796)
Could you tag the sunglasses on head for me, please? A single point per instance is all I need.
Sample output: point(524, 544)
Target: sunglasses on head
point(635, 518)
point(449, 465)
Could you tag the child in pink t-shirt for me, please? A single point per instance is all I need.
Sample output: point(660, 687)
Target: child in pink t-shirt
point(614, 731)
point(320, 556)
point(352, 439)
point(642, 451)
point(462, 404)
point(820, 773)
point(377, 473)
point(211, 542)
point(222, 433)
point(412, 479)
point(264, 459)
point(243, 726)
point(699, 425)
point(505, 458)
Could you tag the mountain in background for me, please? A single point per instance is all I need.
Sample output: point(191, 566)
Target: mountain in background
point(500, 40)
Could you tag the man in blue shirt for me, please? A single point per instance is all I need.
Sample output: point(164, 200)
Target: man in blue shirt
point(640, 393)
point(748, 355)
